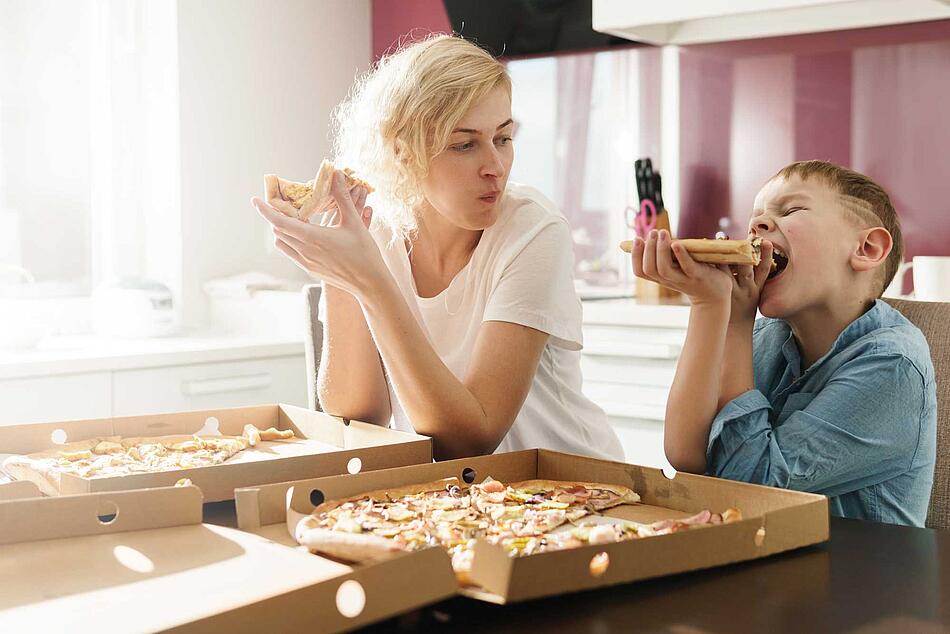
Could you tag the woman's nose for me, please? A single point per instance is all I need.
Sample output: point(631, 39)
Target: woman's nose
point(493, 165)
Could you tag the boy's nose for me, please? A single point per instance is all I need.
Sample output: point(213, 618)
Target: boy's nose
point(761, 225)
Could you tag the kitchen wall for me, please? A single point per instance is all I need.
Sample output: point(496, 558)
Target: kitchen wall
point(873, 99)
point(394, 20)
point(258, 83)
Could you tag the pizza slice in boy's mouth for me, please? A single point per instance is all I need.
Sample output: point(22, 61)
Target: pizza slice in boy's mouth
point(781, 262)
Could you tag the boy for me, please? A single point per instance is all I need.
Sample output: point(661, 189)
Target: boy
point(833, 392)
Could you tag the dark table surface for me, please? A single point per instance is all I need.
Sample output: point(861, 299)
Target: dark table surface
point(868, 578)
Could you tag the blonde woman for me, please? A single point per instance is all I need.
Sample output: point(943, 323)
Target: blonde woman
point(455, 313)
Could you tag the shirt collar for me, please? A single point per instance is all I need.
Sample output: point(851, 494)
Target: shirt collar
point(870, 321)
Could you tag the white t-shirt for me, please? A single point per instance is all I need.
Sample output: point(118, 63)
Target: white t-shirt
point(521, 272)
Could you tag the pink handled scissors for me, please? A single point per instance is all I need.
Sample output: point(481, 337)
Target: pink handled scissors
point(644, 221)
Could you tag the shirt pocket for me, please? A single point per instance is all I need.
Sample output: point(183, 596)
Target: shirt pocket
point(795, 403)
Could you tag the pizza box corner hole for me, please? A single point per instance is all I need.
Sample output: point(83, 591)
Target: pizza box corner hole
point(58, 436)
point(599, 564)
point(350, 598)
point(669, 472)
point(316, 497)
point(107, 513)
point(355, 465)
point(468, 475)
point(759, 536)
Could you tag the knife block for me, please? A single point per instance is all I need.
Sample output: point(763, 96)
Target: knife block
point(646, 290)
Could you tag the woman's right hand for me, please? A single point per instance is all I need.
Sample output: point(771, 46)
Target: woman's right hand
point(659, 260)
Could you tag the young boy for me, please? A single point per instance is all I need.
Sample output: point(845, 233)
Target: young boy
point(833, 391)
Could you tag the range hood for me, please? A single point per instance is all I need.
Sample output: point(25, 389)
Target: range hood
point(699, 21)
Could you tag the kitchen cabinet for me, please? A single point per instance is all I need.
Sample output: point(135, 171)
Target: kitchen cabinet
point(698, 21)
point(628, 362)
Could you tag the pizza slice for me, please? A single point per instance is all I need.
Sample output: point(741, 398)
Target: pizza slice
point(302, 200)
point(737, 252)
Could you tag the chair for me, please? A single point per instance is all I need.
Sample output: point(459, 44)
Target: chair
point(313, 342)
point(933, 319)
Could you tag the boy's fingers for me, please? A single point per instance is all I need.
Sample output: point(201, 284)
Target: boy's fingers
point(688, 265)
point(636, 256)
point(664, 256)
point(765, 265)
point(649, 256)
point(743, 275)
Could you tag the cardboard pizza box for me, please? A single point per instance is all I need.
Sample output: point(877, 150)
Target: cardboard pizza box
point(142, 561)
point(774, 520)
point(324, 445)
point(18, 490)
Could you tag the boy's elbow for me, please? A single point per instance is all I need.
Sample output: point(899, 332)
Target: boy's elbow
point(685, 461)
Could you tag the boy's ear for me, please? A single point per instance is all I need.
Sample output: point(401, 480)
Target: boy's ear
point(874, 247)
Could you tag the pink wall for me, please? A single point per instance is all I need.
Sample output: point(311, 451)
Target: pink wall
point(873, 99)
point(394, 19)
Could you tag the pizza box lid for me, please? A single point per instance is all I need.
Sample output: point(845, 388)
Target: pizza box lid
point(324, 445)
point(135, 561)
point(774, 520)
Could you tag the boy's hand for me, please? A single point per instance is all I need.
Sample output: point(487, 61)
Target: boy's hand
point(748, 282)
point(656, 260)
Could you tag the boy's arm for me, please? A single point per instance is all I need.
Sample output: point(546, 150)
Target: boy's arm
point(862, 428)
point(736, 375)
point(694, 395)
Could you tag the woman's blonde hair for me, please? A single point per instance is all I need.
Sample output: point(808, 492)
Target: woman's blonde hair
point(399, 115)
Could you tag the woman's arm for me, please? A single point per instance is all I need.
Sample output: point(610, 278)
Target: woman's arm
point(464, 418)
point(350, 381)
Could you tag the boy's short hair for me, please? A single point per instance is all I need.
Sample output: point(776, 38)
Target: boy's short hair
point(862, 196)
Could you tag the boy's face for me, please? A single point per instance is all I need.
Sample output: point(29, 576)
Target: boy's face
point(807, 224)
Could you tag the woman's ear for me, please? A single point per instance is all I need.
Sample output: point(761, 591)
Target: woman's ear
point(875, 245)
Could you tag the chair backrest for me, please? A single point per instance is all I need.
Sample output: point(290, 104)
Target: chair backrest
point(313, 342)
point(933, 319)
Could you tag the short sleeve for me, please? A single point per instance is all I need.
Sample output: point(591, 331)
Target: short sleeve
point(536, 287)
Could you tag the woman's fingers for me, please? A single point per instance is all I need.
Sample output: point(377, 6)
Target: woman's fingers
point(359, 195)
point(273, 216)
point(367, 216)
point(343, 200)
point(292, 253)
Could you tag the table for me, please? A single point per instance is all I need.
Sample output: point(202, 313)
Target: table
point(868, 578)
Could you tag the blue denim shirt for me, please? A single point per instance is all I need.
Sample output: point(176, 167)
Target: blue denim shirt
point(859, 425)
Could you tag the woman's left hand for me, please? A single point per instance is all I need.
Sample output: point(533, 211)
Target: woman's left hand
point(339, 250)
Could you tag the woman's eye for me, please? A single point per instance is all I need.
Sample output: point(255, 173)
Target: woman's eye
point(505, 140)
point(462, 147)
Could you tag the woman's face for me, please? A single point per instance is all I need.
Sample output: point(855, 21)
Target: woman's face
point(465, 183)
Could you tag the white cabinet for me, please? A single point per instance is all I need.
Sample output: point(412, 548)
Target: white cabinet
point(628, 362)
point(210, 385)
point(61, 397)
point(103, 379)
point(697, 21)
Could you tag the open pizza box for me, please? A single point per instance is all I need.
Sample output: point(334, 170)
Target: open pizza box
point(773, 520)
point(322, 445)
point(142, 561)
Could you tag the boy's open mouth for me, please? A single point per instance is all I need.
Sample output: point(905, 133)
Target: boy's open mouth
point(781, 262)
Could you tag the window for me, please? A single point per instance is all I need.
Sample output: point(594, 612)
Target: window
point(582, 121)
point(88, 141)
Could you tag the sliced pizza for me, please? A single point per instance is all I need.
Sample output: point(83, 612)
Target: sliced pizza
point(302, 200)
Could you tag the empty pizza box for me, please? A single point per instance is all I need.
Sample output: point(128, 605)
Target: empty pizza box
point(142, 561)
point(773, 520)
point(323, 445)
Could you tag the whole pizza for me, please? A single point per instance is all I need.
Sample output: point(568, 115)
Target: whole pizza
point(112, 456)
point(525, 518)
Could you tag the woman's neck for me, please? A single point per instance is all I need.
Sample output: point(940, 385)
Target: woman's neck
point(438, 251)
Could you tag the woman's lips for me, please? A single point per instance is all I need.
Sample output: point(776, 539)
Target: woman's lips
point(489, 198)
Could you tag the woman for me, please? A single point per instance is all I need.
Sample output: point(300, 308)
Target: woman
point(455, 313)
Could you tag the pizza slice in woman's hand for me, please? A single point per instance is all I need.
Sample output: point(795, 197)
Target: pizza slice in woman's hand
point(302, 200)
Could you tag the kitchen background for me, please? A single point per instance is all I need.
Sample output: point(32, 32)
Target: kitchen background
point(132, 134)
